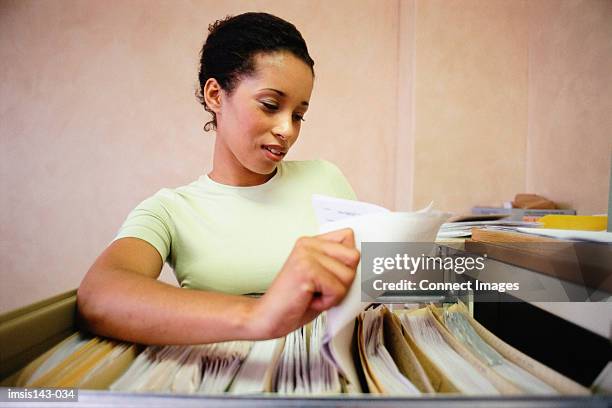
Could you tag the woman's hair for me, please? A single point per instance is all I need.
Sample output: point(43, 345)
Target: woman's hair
point(232, 44)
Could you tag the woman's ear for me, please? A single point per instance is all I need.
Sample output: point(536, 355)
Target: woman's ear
point(212, 94)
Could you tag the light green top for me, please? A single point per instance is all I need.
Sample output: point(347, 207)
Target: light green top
point(234, 239)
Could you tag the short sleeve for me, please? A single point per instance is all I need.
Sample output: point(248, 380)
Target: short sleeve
point(338, 183)
point(150, 222)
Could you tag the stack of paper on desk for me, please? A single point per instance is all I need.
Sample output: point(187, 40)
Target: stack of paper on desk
point(592, 236)
point(464, 229)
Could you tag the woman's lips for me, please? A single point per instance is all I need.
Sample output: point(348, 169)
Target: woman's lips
point(274, 152)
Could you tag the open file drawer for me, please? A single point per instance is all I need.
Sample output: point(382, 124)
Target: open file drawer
point(28, 332)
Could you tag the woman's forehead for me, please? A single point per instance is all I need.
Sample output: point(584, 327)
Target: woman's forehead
point(284, 72)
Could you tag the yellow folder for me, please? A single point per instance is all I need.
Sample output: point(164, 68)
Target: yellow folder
point(575, 222)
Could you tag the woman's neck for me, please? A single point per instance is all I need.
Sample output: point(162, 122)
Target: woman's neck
point(228, 170)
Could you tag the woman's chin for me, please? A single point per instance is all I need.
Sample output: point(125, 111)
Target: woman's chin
point(265, 169)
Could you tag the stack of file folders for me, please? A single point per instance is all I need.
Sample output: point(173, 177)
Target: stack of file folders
point(422, 351)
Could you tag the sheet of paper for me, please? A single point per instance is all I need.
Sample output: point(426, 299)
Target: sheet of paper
point(464, 229)
point(258, 367)
point(466, 378)
point(187, 379)
point(380, 227)
point(402, 354)
point(382, 369)
point(140, 366)
point(301, 369)
point(558, 381)
point(323, 376)
point(205, 368)
point(459, 325)
point(369, 224)
point(221, 363)
point(65, 349)
point(595, 236)
point(330, 209)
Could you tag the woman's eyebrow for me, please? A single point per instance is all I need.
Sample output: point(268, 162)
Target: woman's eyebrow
point(281, 93)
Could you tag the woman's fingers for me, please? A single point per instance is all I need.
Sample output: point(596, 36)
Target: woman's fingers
point(344, 236)
point(316, 276)
point(335, 257)
point(329, 291)
point(338, 249)
point(338, 268)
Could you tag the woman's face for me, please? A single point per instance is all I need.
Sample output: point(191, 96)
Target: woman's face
point(260, 120)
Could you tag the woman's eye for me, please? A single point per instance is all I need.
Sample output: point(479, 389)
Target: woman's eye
point(269, 106)
point(272, 107)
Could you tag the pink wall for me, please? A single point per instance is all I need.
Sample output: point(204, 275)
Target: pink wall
point(470, 102)
point(506, 97)
point(570, 102)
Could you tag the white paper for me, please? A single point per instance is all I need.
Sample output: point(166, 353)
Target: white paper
point(330, 209)
point(70, 346)
point(254, 373)
point(378, 358)
point(377, 225)
point(205, 368)
point(464, 229)
point(462, 374)
point(595, 236)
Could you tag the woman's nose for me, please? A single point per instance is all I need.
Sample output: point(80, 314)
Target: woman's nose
point(284, 129)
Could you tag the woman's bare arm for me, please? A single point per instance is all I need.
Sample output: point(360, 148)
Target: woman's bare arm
point(120, 296)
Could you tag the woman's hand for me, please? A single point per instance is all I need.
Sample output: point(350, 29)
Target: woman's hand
point(316, 276)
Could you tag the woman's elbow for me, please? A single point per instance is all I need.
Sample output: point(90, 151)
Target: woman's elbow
point(91, 312)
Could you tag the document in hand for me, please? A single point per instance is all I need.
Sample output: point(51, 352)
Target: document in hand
point(370, 223)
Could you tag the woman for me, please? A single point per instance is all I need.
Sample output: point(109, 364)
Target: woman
point(241, 228)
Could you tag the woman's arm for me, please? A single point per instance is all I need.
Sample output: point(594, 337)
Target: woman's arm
point(121, 297)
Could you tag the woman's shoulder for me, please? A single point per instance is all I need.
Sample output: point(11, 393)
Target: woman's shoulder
point(158, 203)
point(167, 197)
